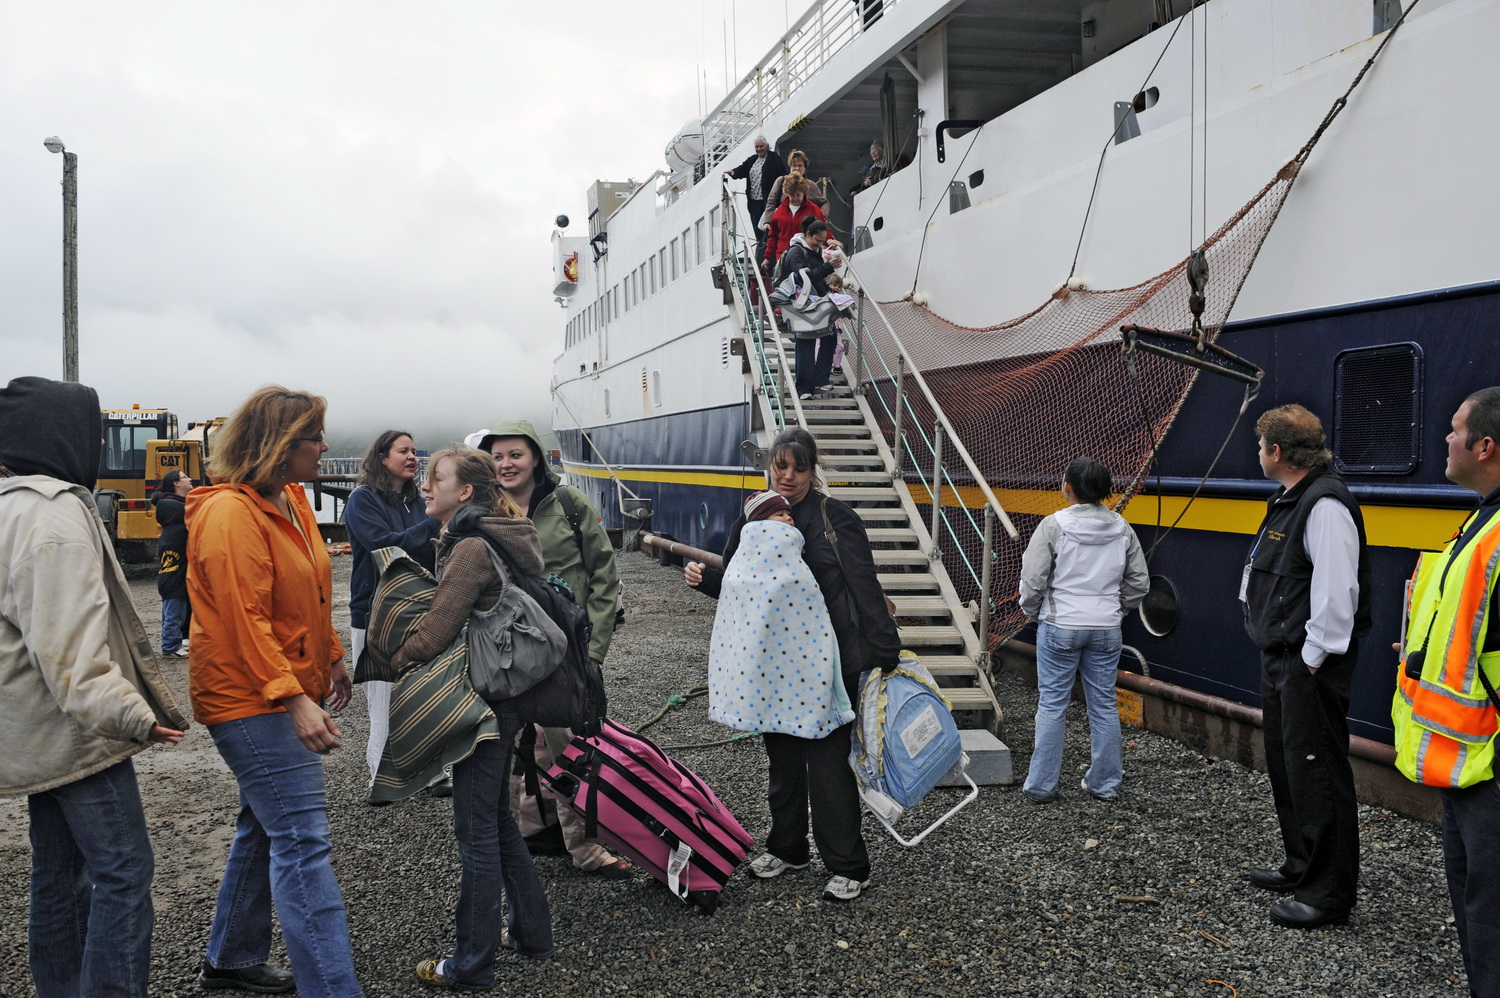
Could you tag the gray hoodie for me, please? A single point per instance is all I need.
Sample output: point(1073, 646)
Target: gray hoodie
point(1083, 569)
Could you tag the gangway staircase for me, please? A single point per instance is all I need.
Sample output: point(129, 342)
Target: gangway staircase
point(860, 468)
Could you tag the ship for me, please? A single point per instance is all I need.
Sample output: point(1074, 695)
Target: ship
point(1119, 227)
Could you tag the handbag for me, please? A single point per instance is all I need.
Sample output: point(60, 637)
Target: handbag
point(513, 645)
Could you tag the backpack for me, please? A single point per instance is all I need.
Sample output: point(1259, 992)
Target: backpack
point(513, 645)
point(572, 695)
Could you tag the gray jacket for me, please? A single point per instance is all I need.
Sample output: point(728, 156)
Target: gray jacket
point(1083, 569)
point(82, 687)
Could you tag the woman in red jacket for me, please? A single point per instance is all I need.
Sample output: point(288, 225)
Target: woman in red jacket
point(787, 220)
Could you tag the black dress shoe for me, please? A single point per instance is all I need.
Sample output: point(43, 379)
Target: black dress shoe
point(263, 978)
point(1296, 915)
point(1270, 880)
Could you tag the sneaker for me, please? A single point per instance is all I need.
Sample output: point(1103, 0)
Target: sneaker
point(843, 889)
point(181, 652)
point(805, 396)
point(767, 866)
point(825, 388)
point(1084, 783)
point(262, 977)
point(1038, 799)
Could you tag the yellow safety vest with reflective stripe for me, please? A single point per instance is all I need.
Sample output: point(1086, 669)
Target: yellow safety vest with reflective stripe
point(1445, 721)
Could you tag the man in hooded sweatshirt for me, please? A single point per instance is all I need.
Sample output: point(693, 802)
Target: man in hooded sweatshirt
point(1082, 572)
point(82, 695)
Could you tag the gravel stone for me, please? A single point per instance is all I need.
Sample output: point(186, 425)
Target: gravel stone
point(1000, 901)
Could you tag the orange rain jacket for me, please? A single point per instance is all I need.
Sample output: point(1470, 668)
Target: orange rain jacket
point(261, 595)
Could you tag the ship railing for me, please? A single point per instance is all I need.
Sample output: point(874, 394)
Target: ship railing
point(922, 439)
point(816, 37)
point(759, 323)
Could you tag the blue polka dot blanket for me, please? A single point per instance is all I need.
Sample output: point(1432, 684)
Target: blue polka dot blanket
point(773, 665)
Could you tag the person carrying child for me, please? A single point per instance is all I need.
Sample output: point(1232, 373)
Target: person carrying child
point(773, 664)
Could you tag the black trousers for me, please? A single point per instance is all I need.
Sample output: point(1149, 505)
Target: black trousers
point(1306, 731)
point(822, 763)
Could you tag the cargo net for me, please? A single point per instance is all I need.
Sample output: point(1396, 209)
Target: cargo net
point(1027, 396)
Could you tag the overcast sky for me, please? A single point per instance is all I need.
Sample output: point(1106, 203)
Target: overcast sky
point(354, 198)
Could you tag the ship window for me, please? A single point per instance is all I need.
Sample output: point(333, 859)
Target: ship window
point(698, 229)
point(1161, 607)
point(656, 389)
point(878, 224)
point(652, 285)
point(687, 257)
point(661, 257)
point(976, 178)
point(713, 223)
point(606, 403)
point(674, 259)
point(1377, 402)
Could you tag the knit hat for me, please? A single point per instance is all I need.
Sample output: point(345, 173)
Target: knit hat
point(761, 505)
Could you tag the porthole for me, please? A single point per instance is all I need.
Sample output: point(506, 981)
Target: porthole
point(976, 178)
point(703, 516)
point(1160, 609)
point(878, 224)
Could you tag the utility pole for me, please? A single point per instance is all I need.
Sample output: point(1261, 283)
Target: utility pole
point(70, 257)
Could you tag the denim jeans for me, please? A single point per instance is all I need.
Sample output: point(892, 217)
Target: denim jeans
point(280, 855)
point(811, 373)
point(91, 867)
point(1471, 860)
point(173, 623)
point(1093, 655)
point(494, 857)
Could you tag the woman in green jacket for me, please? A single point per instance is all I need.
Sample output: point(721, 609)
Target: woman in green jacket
point(575, 547)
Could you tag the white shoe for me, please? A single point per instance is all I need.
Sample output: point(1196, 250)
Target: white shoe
point(180, 653)
point(767, 866)
point(805, 396)
point(825, 388)
point(843, 889)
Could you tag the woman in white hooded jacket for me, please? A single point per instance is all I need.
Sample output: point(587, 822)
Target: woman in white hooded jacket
point(1082, 572)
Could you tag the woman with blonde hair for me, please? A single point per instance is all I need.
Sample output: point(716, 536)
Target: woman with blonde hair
point(477, 516)
point(797, 164)
point(264, 660)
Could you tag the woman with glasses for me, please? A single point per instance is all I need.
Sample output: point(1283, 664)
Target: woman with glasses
point(171, 557)
point(265, 660)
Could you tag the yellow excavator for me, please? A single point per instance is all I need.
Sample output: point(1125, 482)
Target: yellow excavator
point(140, 447)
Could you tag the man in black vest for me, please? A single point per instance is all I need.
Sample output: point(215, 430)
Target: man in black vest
point(761, 172)
point(1306, 595)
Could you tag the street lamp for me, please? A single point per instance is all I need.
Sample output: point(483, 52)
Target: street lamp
point(70, 257)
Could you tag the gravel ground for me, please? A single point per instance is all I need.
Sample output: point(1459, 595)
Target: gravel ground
point(1140, 896)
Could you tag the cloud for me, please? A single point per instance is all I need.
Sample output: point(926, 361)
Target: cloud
point(353, 198)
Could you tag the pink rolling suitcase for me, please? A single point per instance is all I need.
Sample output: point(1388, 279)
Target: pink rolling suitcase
point(653, 809)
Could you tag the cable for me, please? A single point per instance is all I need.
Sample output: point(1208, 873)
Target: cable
point(1100, 168)
point(938, 203)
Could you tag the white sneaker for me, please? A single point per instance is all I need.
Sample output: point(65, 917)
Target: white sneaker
point(1084, 784)
point(805, 396)
point(843, 889)
point(825, 388)
point(767, 866)
point(180, 653)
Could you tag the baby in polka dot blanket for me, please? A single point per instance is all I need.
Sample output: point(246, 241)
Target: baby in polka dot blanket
point(773, 664)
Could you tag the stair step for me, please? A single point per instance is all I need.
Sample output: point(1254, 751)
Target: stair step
point(837, 475)
point(832, 401)
point(921, 606)
point(968, 698)
point(891, 535)
point(852, 461)
point(823, 418)
point(949, 665)
point(832, 449)
point(838, 434)
point(861, 494)
point(929, 635)
point(902, 582)
point(883, 514)
point(907, 557)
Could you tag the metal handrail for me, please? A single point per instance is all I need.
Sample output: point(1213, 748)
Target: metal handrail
point(736, 209)
point(801, 52)
point(942, 419)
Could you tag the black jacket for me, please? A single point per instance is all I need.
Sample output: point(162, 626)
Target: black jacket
point(801, 256)
point(1278, 594)
point(773, 171)
point(171, 549)
point(856, 604)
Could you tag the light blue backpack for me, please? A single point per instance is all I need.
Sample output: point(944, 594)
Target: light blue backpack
point(904, 743)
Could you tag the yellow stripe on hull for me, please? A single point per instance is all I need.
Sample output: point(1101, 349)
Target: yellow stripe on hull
point(1415, 527)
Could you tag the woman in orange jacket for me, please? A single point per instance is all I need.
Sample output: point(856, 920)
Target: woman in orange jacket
point(264, 658)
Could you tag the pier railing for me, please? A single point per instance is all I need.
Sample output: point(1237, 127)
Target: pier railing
point(818, 35)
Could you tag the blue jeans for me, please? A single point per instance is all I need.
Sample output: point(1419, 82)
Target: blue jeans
point(280, 855)
point(494, 856)
point(173, 623)
point(1092, 655)
point(1471, 859)
point(91, 862)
